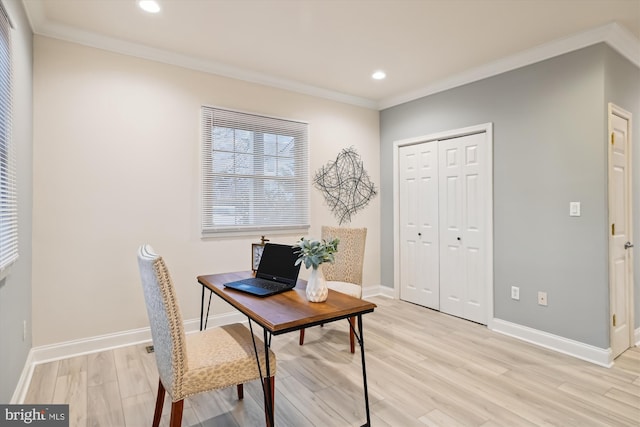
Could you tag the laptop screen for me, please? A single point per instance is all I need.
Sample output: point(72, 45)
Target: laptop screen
point(278, 263)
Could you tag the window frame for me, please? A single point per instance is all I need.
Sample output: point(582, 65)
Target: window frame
point(9, 247)
point(247, 221)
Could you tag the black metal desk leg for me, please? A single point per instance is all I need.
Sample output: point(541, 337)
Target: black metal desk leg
point(204, 318)
point(202, 308)
point(364, 371)
point(267, 380)
point(268, 384)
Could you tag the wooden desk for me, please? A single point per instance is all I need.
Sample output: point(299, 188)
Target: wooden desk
point(289, 311)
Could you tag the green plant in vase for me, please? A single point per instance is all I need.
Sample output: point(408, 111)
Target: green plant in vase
point(313, 253)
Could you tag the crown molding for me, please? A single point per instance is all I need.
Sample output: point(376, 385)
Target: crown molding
point(41, 26)
point(623, 41)
point(615, 35)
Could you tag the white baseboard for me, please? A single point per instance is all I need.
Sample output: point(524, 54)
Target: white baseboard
point(66, 349)
point(48, 353)
point(63, 350)
point(23, 382)
point(374, 291)
point(599, 356)
point(386, 291)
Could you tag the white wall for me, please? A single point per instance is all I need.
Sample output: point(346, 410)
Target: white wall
point(117, 164)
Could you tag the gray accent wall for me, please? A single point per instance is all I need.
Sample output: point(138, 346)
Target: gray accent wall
point(549, 128)
point(15, 289)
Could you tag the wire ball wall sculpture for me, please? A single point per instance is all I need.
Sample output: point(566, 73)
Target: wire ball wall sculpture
point(345, 185)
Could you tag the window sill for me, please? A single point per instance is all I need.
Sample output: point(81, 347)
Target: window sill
point(255, 231)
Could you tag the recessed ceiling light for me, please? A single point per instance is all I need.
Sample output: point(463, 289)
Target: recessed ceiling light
point(379, 75)
point(150, 6)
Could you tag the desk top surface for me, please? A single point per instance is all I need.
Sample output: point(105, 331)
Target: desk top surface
point(289, 310)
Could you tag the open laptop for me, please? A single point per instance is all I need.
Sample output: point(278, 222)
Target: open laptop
point(276, 273)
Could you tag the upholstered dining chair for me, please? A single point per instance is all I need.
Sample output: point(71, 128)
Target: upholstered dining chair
point(199, 362)
point(345, 274)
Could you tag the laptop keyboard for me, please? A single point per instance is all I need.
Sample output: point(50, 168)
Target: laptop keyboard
point(266, 284)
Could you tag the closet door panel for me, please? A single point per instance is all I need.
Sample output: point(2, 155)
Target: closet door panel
point(419, 247)
point(462, 233)
point(452, 265)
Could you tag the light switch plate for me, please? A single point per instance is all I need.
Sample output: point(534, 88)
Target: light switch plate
point(574, 208)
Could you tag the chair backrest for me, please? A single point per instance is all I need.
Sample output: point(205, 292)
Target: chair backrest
point(165, 320)
point(350, 256)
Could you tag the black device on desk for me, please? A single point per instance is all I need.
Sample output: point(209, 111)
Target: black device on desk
point(276, 273)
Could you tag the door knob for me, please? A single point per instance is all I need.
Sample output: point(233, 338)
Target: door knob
point(628, 245)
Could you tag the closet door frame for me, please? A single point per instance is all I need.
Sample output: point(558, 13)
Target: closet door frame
point(486, 128)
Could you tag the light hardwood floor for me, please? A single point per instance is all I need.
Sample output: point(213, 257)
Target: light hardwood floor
point(424, 369)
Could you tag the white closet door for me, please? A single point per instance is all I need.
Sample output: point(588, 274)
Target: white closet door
point(419, 246)
point(462, 227)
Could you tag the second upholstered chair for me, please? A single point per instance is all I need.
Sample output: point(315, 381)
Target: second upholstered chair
point(345, 274)
point(198, 362)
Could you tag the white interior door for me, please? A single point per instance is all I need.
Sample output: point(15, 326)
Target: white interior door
point(620, 249)
point(463, 231)
point(419, 252)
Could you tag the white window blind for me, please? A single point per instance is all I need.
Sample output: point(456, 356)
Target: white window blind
point(254, 172)
point(8, 192)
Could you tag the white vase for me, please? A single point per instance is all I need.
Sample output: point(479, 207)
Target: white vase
point(317, 290)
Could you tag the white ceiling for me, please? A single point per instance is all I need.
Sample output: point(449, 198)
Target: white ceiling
point(330, 48)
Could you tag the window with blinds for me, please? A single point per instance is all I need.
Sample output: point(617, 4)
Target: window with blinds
point(254, 173)
point(8, 192)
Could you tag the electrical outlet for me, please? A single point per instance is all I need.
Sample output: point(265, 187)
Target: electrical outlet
point(542, 298)
point(515, 293)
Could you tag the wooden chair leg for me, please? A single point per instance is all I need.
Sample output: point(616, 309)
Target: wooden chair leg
point(352, 324)
point(270, 386)
point(159, 403)
point(176, 413)
point(301, 336)
point(240, 391)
